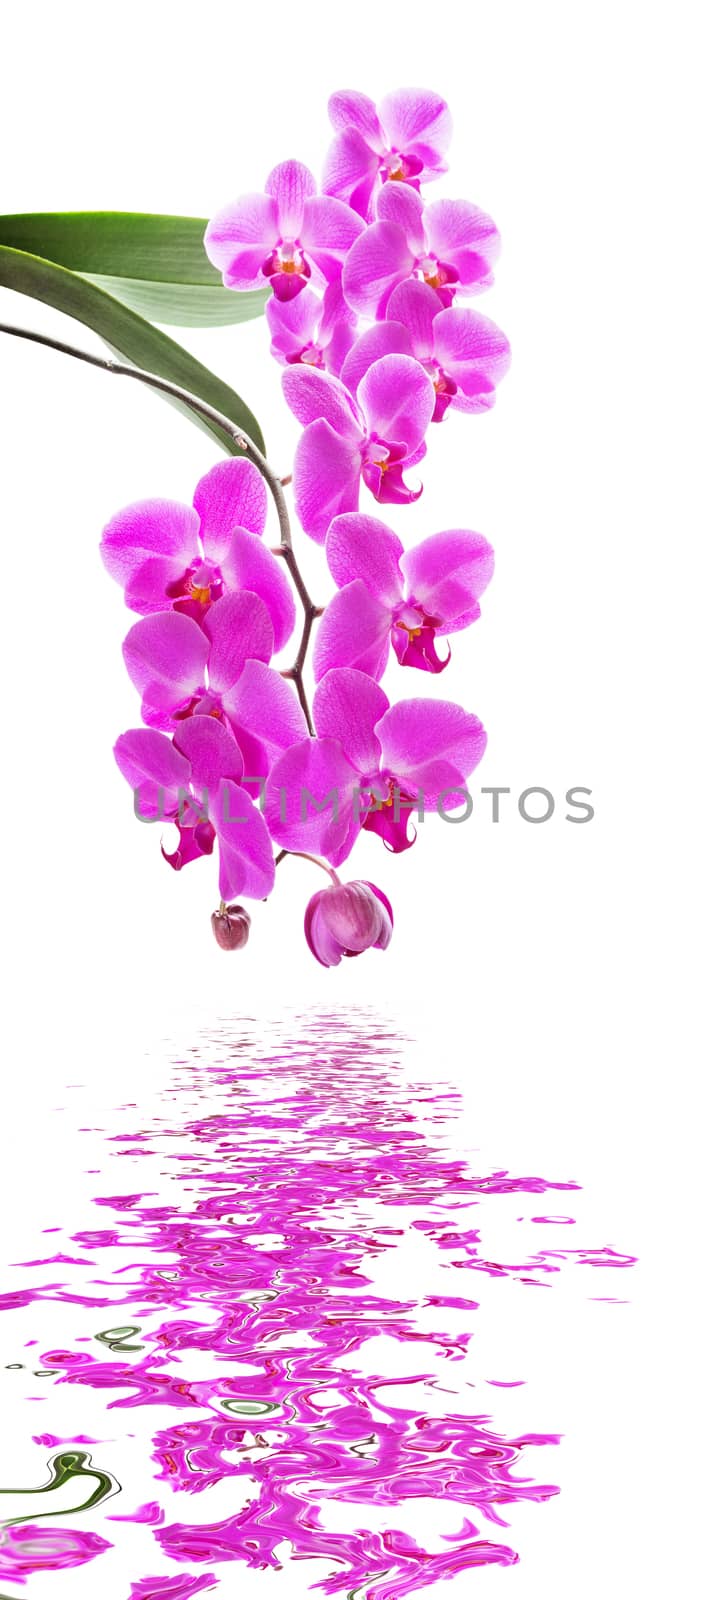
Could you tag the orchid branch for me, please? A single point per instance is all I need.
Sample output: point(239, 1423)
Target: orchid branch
point(245, 443)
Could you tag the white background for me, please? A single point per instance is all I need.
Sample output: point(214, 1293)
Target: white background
point(561, 975)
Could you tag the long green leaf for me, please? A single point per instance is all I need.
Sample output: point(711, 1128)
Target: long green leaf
point(183, 305)
point(156, 265)
point(125, 244)
point(127, 334)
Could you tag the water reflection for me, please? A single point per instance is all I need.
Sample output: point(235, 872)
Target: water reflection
point(299, 1164)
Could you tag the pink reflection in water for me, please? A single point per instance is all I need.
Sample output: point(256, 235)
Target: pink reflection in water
point(293, 1174)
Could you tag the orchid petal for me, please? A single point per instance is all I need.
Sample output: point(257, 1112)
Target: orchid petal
point(247, 865)
point(416, 306)
point(350, 170)
point(239, 629)
point(431, 746)
point(460, 233)
point(166, 655)
point(305, 776)
point(416, 116)
point(231, 495)
point(376, 263)
point(383, 339)
point(238, 238)
point(329, 229)
point(354, 631)
point(250, 565)
point(150, 763)
point(266, 706)
point(313, 396)
point(347, 706)
point(359, 546)
point(293, 324)
point(326, 478)
point(348, 108)
point(149, 528)
point(474, 353)
point(402, 206)
point(290, 185)
point(448, 572)
point(147, 587)
point(398, 399)
point(210, 750)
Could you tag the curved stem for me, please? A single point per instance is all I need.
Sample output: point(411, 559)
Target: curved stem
point(306, 856)
point(244, 443)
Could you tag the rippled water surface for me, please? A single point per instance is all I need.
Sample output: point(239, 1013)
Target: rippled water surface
point(271, 1294)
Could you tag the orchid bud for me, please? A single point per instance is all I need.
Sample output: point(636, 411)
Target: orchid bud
point(231, 927)
point(347, 919)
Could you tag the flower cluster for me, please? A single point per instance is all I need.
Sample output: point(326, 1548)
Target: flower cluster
point(365, 317)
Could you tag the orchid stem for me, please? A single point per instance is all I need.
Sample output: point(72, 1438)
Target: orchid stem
point(244, 443)
point(307, 857)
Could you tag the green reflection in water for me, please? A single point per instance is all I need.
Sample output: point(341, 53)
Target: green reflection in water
point(63, 1467)
point(250, 1408)
point(116, 1338)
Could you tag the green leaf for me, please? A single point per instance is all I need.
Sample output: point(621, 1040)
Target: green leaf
point(184, 305)
point(156, 265)
point(127, 334)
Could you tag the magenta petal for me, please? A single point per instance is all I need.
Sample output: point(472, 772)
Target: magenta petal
point(210, 750)
point(347, 706)
point(166, 655)
point(247, 865)
point(379, 260)
point(359, 546)
point(150, 763)
point(431, 746)
point(382, 339)
point(329, 229)
point(350, 170)
point(149, 528)
point(238, 238)
point(402, 206)
point(326, 478)
point(267, 707)
point(240, 630)
point(348, 108)
point(462, 234)
point(314, 396)
point(306, 776)
point(146, 590)
point(194, 839)
point(447, 573)
point(293, 324)
point(416, 306)
point(250, 565)
point(231, 495)
point(398, 399)
point(290, 184)
point(473, 352)
point(354, 631)
point(416, 116)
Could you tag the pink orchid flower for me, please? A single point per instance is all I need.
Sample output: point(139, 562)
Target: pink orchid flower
point(450, 245)
point(182, 670)
point(314, 332)
point(390, 596)
point(404, 139)
point(464, 354)
point(287, 237)
point(346, 919)
point(169, 556)
point(374, 436)
point(372, 764)
point(196, 781)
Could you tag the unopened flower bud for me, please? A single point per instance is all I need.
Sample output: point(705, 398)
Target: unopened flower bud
point(347, 919)
point(231, 927)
